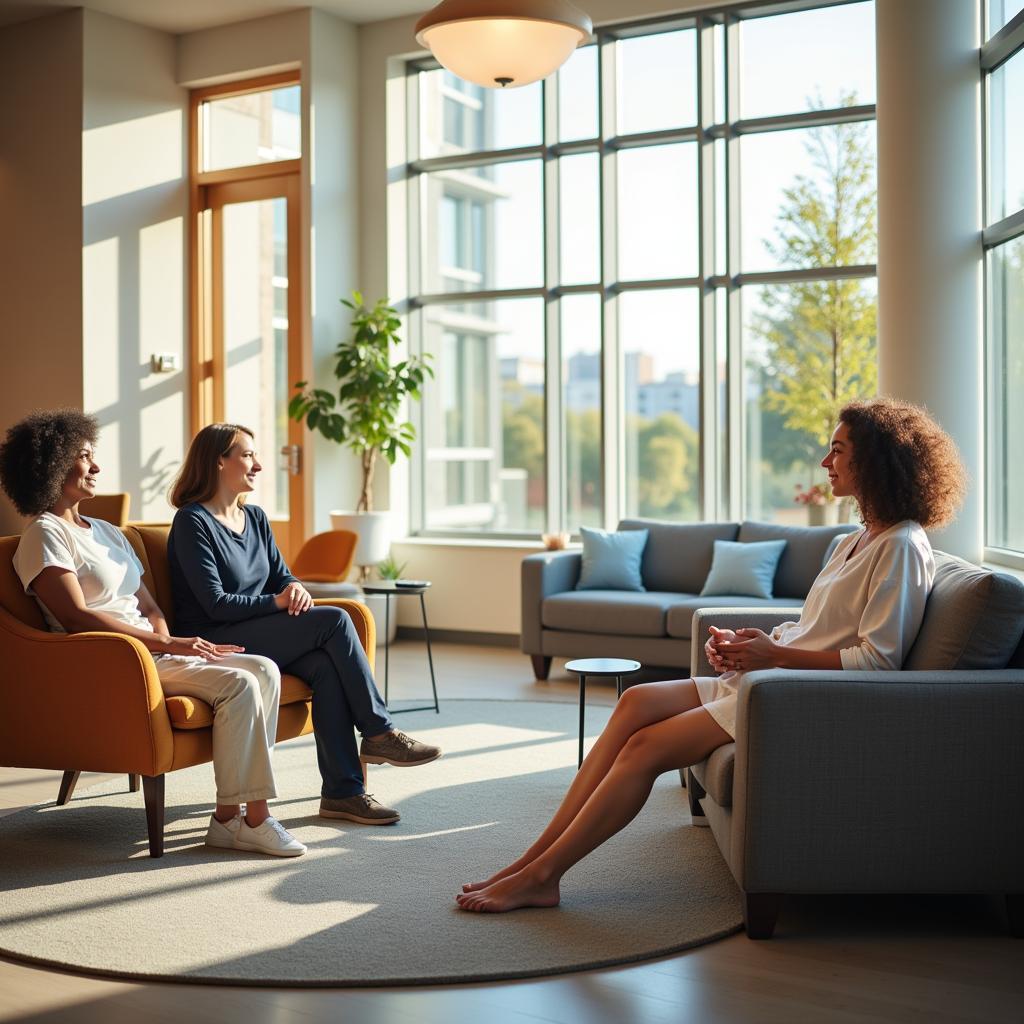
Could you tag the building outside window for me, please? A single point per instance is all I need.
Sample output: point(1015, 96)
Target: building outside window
point(648, 283)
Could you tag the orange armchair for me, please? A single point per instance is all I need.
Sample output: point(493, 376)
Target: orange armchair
point(94, 701)
point(326, 557)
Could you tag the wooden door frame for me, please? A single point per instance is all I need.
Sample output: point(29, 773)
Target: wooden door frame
point(209, 192)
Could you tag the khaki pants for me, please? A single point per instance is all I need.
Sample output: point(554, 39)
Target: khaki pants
point(244, 691)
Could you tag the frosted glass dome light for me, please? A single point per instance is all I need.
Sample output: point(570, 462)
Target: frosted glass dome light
point(503, 43)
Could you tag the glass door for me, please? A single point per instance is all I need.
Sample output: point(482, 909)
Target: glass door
point(255, 336)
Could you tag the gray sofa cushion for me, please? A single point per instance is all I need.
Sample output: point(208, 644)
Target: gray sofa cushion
point(973, 620)
point(619, 612)
point(803, 556)
point(716, 773)
point(678, 556)
point(679, 621)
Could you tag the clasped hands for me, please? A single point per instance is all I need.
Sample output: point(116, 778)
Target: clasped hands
point(741, 650)
point(295, 598)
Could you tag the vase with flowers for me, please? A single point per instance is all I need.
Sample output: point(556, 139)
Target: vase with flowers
point(821, 504)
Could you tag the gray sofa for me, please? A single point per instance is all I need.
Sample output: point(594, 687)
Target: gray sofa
point(654, 626)
point(909, 781)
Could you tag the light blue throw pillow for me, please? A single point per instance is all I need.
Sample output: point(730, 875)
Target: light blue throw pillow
point(743, 570)
point(611, 561)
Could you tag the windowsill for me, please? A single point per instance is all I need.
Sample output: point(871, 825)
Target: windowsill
point(476, 542)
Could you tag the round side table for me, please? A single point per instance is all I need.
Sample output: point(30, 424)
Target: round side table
point(600, 667)
point(390, 589)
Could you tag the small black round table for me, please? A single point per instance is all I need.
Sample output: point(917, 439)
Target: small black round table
point(389, 588)
point(613, 667)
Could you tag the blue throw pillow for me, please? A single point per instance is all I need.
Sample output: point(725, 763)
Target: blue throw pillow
point(611, 561)
point(746, 570)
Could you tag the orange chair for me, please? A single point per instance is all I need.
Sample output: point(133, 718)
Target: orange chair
point(94, 701)
point(326, 557)
point(113, 508)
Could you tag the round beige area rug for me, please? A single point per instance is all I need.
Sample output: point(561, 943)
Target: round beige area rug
point(365, 905)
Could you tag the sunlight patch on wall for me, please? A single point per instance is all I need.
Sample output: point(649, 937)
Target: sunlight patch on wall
point(161, 303)
point(161, 428)
point(100, 323)
point(131, 155)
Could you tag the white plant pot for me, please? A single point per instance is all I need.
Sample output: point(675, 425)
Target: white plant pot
point(374, 529)
point(375, 603)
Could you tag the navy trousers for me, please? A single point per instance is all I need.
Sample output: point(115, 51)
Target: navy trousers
point(321, 646)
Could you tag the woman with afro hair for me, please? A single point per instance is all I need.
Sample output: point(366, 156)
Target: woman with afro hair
point(85, 576)
point(862, 613)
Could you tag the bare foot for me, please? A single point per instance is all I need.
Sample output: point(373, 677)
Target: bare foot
point(522, 889)
point(515, 866)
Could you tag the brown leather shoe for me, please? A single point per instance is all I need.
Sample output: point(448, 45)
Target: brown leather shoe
point(361, 808)
point(398, 749)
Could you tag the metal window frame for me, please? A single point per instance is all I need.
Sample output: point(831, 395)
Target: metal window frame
point(708, 284)
point(994, 53)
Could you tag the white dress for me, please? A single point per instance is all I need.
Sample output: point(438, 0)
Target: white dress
point(868, 607)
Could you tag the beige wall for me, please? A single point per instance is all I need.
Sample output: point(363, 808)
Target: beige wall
point(333, 119)
point(134, 214)
point(40, 220)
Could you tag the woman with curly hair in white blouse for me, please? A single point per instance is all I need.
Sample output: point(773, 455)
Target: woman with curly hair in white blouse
point(862, 613)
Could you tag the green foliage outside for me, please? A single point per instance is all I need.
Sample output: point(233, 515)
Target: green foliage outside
point(819, 336)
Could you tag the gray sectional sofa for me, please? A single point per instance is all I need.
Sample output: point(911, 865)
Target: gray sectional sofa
point(654, 626)
point(872, 782)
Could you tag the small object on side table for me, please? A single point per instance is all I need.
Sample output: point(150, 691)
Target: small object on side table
point(614, 667)
point(390, 588)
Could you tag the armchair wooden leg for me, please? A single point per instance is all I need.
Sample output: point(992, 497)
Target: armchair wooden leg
point(1015, 913)
point(153, 790)
point(760, 912)
point(67, 787)
point(541, 666)
point(133, 783)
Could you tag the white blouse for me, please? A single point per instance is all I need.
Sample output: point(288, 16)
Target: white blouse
point(868, 606)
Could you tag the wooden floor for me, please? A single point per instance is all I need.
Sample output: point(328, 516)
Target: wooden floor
point(841, 959)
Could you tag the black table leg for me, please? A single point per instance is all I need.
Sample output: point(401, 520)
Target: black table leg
point(430, 657)
point(387, 631)
point(618, 687)
point(583, 691)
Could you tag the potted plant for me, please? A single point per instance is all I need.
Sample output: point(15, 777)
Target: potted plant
point(364, 414)
point(390, 569)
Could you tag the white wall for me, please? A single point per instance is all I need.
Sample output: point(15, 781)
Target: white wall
point(333, 119)
point(40, 221)
point(134, 194)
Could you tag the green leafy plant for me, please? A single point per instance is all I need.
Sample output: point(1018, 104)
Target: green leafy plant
point(364, 415)
point(389, 569)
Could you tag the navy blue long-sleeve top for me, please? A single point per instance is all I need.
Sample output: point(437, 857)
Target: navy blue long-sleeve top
point(220, 576)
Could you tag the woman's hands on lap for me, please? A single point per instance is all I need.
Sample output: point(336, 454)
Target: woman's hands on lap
point(748, 650)
point(197, 647)
point(711, 648)
point(295, 599)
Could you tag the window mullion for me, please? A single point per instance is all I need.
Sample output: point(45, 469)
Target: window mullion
point(554, 443)
point(612, 423)
point(734, 367)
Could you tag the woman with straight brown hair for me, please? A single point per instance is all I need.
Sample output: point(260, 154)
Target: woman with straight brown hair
point(228, 574)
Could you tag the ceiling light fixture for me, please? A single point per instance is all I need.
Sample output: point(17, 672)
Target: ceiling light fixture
point(503, 43)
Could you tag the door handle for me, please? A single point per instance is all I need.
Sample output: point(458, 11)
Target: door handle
point(292, 458)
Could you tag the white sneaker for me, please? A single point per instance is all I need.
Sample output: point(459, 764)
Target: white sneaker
point(222, 834)
point(270, 837)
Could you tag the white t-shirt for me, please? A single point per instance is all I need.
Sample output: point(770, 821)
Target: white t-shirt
point(108, 571)
point(868, 607)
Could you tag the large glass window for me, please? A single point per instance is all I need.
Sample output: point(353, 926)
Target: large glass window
point(1004, 272)
point(643, 299)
